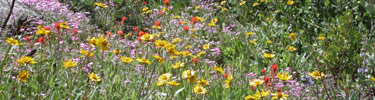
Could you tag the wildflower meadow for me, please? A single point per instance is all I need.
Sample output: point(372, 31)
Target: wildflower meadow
point(187, 50)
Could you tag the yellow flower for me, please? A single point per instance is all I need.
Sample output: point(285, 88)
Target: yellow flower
point(94, 77)
point(175, 40)
point(92, 41)
point(291, 48)
point(242, 3)
point(178, 65)
point(185, 53)
point(321, 38)
point(290, 2)
point(249, 97)
point(206, 46)
point(279, 95)
point(127, 35)
point(63, 25)
point(201, 53)
point(173, 83)
point(143, 60)
point(22, 77)
point(256, 82)
point(145, 9)
point(147, 37)
point(176, 17)
point(146, 12)
point(116, 51)
point(164, 78)
point(86, 53)
point(249, 33)
point(199, 89)
point(102, 5)
point(156, 27)
point(187, 47)
point(224, 9)
point(262, 94)
point(25, 59)
point(42, 31)
point(269, 41)
point(69, 63)
point(12, 41)
point(255, 4)
point(292, 36)
point(126, 59)
point(160, 59)
point(103, 43)
point(199, 18)
point(190, 75)
point(203, 82)
point(197, 7)
point(172, 57)
point(228, 81)
point(316, 74)
point(223, 2)
point(252, 42)
point(284, 76)
point(161, 43)
point(373, 78)
point(268, 55)
point(219, 69)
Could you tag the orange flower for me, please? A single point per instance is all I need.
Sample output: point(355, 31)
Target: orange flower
point(123, 18)
point(186, 28)
point(194, 20)
point(166, 2)
point(120, 33)
point(109, 34)
point(157, 23)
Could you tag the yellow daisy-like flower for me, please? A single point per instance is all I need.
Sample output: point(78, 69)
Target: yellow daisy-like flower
point(203, 82)
point(63, 25)
point(164, 78)
point(219, 69)
point(372, 78)
point(252, 42)
point(86, 53)
point(126, 59)
point(199, 89)
point(292, 36)
point(69, 63)
point(206, 46)
point(175, 40)
point(187, 47)
point(321, 38)
point(199, 18)
point(116, 51)
point(185, 53)
point(173, 83)
point(249, 33)
point(92, 41)
point(268, 55)
point(249, 97)
point(160, 59)
point(256, 82)
point(12, 41)
point(161, 43)
point(197, 7)
point(291, 48)
point(25, 59)
point(255, 4)
point(190, 75)
point(147, 37)
point(22, 77)
point(42, 31)
point(228, 81)
point(290, 2)
point(145, 9)
point(284, 76)
point(103, 43)
point(223, 2)
point(269, 41)
point(102, 5)
point(178, 65)
point(94, 77)
point(280, 96)
point(176, 17)
point(316, 74)
point(242, 3)
point(262, 94)
point(143, 60)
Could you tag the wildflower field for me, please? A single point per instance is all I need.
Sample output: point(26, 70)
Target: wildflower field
point(189, 50)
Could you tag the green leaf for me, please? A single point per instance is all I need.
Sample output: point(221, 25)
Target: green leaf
point(327, 3)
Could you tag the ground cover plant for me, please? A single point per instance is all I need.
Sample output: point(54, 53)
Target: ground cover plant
point(191, 49)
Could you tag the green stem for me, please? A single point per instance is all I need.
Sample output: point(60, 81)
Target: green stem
point(5, 59)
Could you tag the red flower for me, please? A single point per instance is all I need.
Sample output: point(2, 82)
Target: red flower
point(279, 90)
point(123, 18)
point(274, 67)
point(109, 34)
point(41, 40)
point(27, 38)
point(226, 75)
point(141, 33)
point(266, 79)
point(186, 28)
point(135, 29)
point(144, 3)
point(160, 12)
point(157, 23)
point(263, 70)
point(270, 84)
point(47, 28)
point(120, 33)
point(57, 26)
point(194, 20)
point(194, 60)
point(75, 31)
point(179, 22)
point(166, 2)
